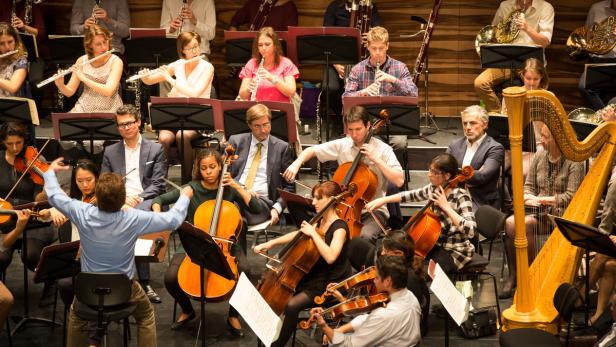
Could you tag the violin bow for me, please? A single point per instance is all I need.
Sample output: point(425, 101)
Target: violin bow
point(26, 170)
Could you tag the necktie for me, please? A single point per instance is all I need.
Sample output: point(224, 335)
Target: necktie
point(254, 166)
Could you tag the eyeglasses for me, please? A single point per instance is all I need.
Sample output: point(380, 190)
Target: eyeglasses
point(193, 48)
point(126, 125)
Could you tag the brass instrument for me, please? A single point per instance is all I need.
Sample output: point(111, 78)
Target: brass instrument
point(68, 71)
point(175, 64)
point(558, 260)
point(585, 114)
point(598, 39)
point(253, 94)
point(504, 32)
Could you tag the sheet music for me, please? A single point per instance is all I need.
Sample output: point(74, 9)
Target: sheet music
point(453, 301)
point(255, 311)
point(143, 247)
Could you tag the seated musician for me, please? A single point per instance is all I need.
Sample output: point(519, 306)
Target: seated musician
point(282, 15)
point(377, 155)
point(100, 78)
point(598, 12)
point(192, 79)
point(338, 14)
point(550, 184)
point(206, 178)
point(262, 160)
point(381, 75)
point(396, 324)
point(535, 28)
point(330, 236)
point(144, 164)
point(113, 15)
point(453, 208)
point(483, 153)
point(29, 20)
point(13, 136)
point(6, 302)
point(396, 243)
point(108, 237)
point(178, 16)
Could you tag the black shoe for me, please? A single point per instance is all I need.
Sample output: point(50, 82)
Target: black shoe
point(507, 291)
point(234, 331)
point(48, 296)
point(149, 291)
point(180, 324)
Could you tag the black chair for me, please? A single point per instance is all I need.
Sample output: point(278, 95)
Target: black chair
point(490, 224)
point(564, 301)
point(104, 298)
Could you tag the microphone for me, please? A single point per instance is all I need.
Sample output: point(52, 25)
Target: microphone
point(158, 244)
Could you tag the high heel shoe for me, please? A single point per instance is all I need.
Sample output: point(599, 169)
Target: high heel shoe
point(234, 331)
point(180, 324)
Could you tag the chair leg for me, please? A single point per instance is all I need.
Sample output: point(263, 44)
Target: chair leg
point(8, 333)
point(293, 341)
point(126, 332)
point(55, 305)
point(498, 311)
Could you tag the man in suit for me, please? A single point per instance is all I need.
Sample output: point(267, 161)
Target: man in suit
point(274, 156)
point(144, 166)
point(483, 153)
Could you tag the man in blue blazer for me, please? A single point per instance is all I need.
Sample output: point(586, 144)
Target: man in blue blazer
point(483, 153)
point(144, 165)
point(275, 156)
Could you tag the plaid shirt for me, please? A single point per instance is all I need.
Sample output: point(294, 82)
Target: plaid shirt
point(362, 75)
point(453, 239)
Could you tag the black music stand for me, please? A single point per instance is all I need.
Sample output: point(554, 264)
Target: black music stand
point(589, 238)
point(324, 46)
point(507, 56)
point(85, 127)
point(498, 128)
point(203, 251)
point(238, 46)
point(29, 42)
point(233, 114)
point(65, 49)
point(600, 77)
point(300, 207)
point(18, 110)
point(150, 51)
point(582, 129)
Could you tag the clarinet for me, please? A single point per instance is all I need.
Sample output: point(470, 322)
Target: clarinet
point(264, 10)
point(253, 94)
point(420, 62)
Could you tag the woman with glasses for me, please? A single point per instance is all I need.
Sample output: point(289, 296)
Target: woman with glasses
point(453, 208)
point(193, 79)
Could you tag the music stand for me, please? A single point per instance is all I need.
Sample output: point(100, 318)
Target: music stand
point(238, 46)
point(498, 128)
point(65, 49)
point(14, 109)
point(159, 256)
point(181, 114)
point(29, 42)
point(582, 129)
point(600, 77)
point(145, 49)
point(85, 127)
point(300, 208)
point(203, 251)
point(589, 238)
point(507, 56)
point(324, 46)
point(233, 115)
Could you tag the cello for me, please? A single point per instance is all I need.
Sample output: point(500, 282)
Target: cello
point(293, 262)
point(365, 179)
point(223, 221)
point(424, 227)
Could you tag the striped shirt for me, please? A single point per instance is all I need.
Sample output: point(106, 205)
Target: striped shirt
point(454, 239)
point(363, 74)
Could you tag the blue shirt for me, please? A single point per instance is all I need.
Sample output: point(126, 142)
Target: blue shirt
point(108, 238)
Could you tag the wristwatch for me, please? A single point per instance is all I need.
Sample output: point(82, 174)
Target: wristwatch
point(275, 79)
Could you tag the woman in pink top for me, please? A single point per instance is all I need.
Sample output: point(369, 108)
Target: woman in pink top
point(268, 76)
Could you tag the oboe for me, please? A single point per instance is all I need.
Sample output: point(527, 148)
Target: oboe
point(184, 5)
point(175, 64)
point(96, 6)
point(378, 69)
point(66, 72)
point(253, 95)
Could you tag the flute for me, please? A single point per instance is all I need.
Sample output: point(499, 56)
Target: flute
point(68, 71)
point(4, 55)
point(175, 64)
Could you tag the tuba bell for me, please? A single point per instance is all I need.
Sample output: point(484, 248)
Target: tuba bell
point(598, 39)
point(504, 32)
point(585, 114)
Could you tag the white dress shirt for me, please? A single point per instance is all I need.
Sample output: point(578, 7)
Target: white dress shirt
point(131, 162)
point(260, 183)
point(471, 149)
point(203, 10)
point(539, 16)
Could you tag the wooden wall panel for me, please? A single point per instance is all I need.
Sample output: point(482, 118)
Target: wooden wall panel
point(453, 61)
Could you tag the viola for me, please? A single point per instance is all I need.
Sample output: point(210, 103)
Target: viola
point(351, 307)
point(286, 269)
point(223, 221)
point(365, 179)
point(31, 164)
point(361, 278)
point(7, 209)
point(424, 227)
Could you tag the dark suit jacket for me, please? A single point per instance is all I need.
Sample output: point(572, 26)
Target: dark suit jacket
point(151, 175)
point(487, 163)
point(279, 157)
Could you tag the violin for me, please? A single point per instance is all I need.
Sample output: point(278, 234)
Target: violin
point(31, 164)
point(223, 221)
point(361, 278)
point(286, 269)
point(7, 209)
point(351, 307)
point(424, 227)
point(365, 179)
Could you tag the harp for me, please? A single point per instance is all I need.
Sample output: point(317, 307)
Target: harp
point(558, 260)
